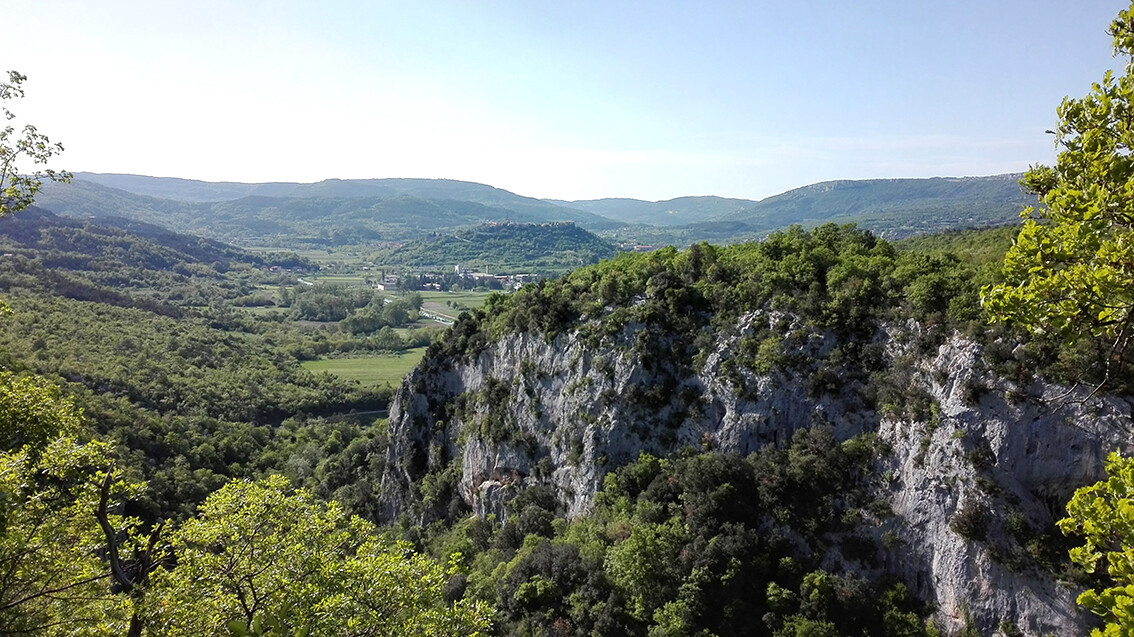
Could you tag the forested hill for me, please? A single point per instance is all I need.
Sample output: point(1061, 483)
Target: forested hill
point(503, 246)
point(351, 212)
point(814, 434)
point(892, 207)
point(319, 216)
point(121, 241)
point(130, 263)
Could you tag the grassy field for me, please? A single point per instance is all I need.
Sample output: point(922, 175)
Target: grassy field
point(347, 279)
point(370, 370)
point(263, 309)
point(437, 302)
point(464, 297)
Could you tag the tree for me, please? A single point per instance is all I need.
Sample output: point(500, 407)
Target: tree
point(1070, 270)
point(265, 560)
point(33, 412)
point(258, 559)
point(1104, 514)
point(52, 580)
point(1070, 273)
point(18, 190)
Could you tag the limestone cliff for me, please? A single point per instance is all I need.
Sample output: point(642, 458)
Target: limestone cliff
point(980, 464)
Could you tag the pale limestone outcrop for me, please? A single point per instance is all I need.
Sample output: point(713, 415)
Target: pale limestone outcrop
point(572, 411)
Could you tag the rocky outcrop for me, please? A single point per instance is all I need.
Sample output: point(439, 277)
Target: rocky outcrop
point(989, 463)
point(1002, 455)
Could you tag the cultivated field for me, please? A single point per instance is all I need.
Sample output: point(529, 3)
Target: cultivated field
point(441, 303)
point(370, 370)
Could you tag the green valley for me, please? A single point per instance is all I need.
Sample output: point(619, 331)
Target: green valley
point(438, 408)
point(201, 363)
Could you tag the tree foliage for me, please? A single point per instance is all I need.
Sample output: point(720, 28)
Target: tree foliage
point(52, 579)
point(696, 544)
point(1070, 273)
point(1070, 269)
point(1103, 513)
point(263, 559)
point(836, 277)
point(259, 558)
point(17, 187)
point(32, 412)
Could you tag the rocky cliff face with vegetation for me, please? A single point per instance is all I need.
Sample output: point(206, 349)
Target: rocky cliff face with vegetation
point(951, 459)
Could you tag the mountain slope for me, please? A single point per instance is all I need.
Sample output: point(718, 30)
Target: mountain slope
point(115, 239)
point(328, 213)
point(88, 200)
point(129, 263)
point(898, 207)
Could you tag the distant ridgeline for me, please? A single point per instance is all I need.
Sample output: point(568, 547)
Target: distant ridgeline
point(328, 213)
point(892, 208)
point(497, 247)
point(368, 211)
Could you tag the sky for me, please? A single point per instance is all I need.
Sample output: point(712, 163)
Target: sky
point(566, 100)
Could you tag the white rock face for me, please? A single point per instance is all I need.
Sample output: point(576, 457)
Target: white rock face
point(566, 412)
point(1041, 450)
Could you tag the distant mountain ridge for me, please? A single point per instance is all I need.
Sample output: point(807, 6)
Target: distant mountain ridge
point(189, 190)
point(313, 219)
point(195, 190)
point(892, 207)
point(900, 207)
point(366, 211)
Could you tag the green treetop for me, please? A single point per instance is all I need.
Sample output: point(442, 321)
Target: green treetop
point(1104, 514)
point(263, 559)
point(17, 149)
point(1071, 273)
point(1071, 268)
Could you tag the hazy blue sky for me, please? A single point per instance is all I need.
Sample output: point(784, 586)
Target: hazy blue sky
point(570, 100)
